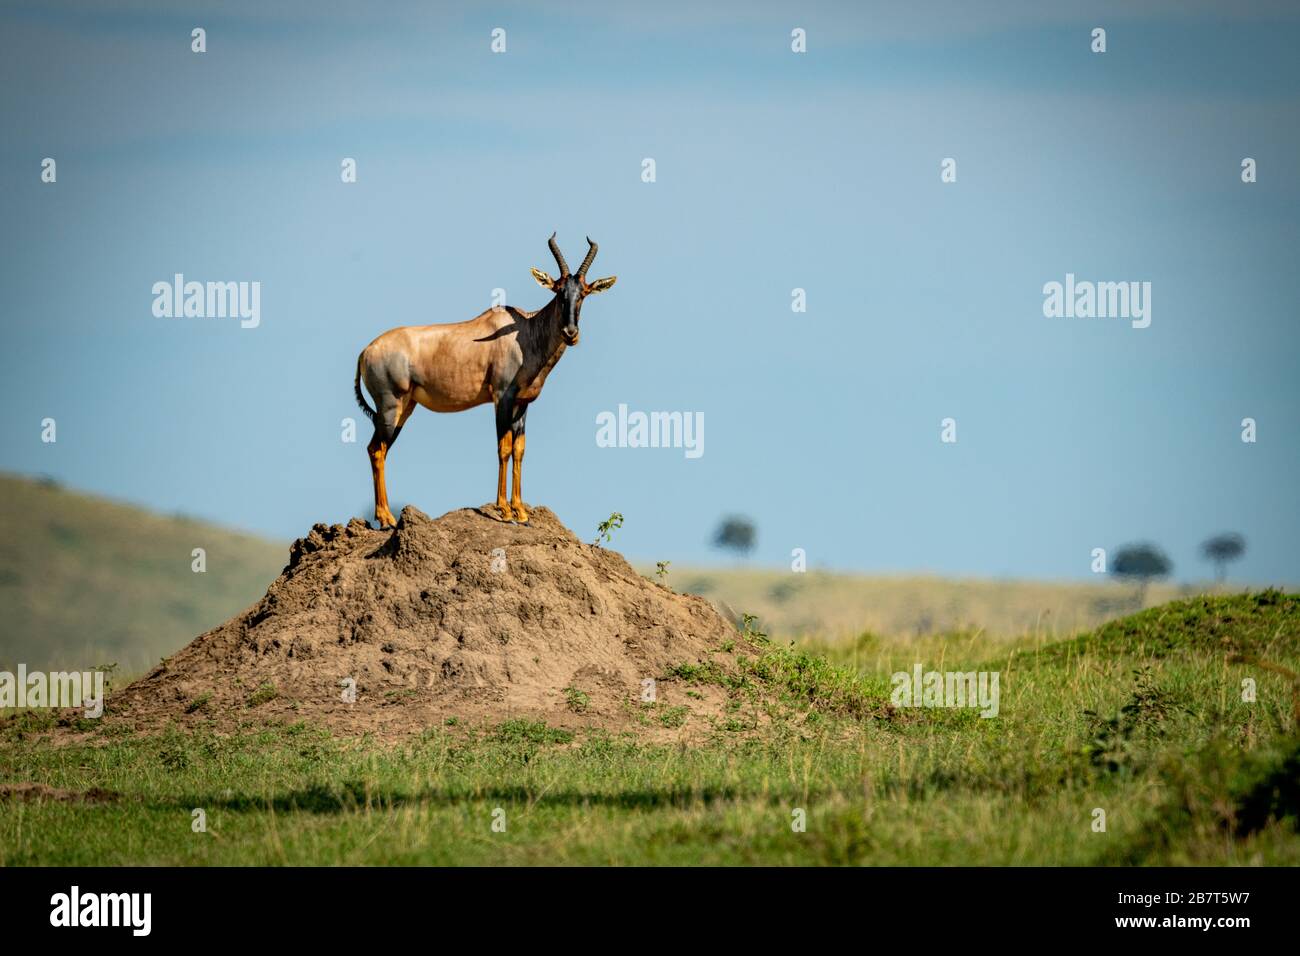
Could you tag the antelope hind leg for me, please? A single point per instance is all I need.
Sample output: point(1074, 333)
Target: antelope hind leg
point(385, 437)
point(378, 450)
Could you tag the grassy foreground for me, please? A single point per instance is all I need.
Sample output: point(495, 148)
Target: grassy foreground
point(1142, 719)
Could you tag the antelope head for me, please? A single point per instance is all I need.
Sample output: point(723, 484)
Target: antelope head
point(570, 290)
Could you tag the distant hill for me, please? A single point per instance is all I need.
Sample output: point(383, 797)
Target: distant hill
point(87, 581)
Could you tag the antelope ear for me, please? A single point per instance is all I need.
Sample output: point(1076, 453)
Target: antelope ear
point(600, 285)
point(543, 280)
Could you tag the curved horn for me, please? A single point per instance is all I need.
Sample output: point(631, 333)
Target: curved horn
point(559, 256)
point(591, 254)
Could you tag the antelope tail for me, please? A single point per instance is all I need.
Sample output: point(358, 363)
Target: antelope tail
point(361, 399)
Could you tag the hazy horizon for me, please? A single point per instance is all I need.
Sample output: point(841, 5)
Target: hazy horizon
point(717, 560)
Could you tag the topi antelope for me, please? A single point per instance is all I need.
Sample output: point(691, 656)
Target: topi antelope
point(502, 356)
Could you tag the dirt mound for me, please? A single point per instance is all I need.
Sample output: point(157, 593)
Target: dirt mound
point(463, 620)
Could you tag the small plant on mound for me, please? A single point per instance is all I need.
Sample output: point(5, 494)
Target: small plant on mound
point(605, 529)
point(749, 627)
point(576, 700)
point(264, 693)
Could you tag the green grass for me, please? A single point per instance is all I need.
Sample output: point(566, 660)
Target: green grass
point(265, 693)
point(576, 700)
point(1142, 718)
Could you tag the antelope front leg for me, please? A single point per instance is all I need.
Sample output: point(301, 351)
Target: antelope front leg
point(505, 446)
point(517, 494)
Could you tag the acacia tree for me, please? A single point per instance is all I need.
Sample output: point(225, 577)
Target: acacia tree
point(1223, 549)
point(736, 533)
point(1142, 563)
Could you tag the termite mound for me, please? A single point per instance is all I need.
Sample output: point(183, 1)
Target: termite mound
point(459, 621)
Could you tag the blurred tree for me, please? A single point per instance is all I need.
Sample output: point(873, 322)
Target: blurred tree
point(1223, 549)
point(736, 534)
point(1143, 563)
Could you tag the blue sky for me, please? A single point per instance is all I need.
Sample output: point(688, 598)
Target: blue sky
point(774, 171)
